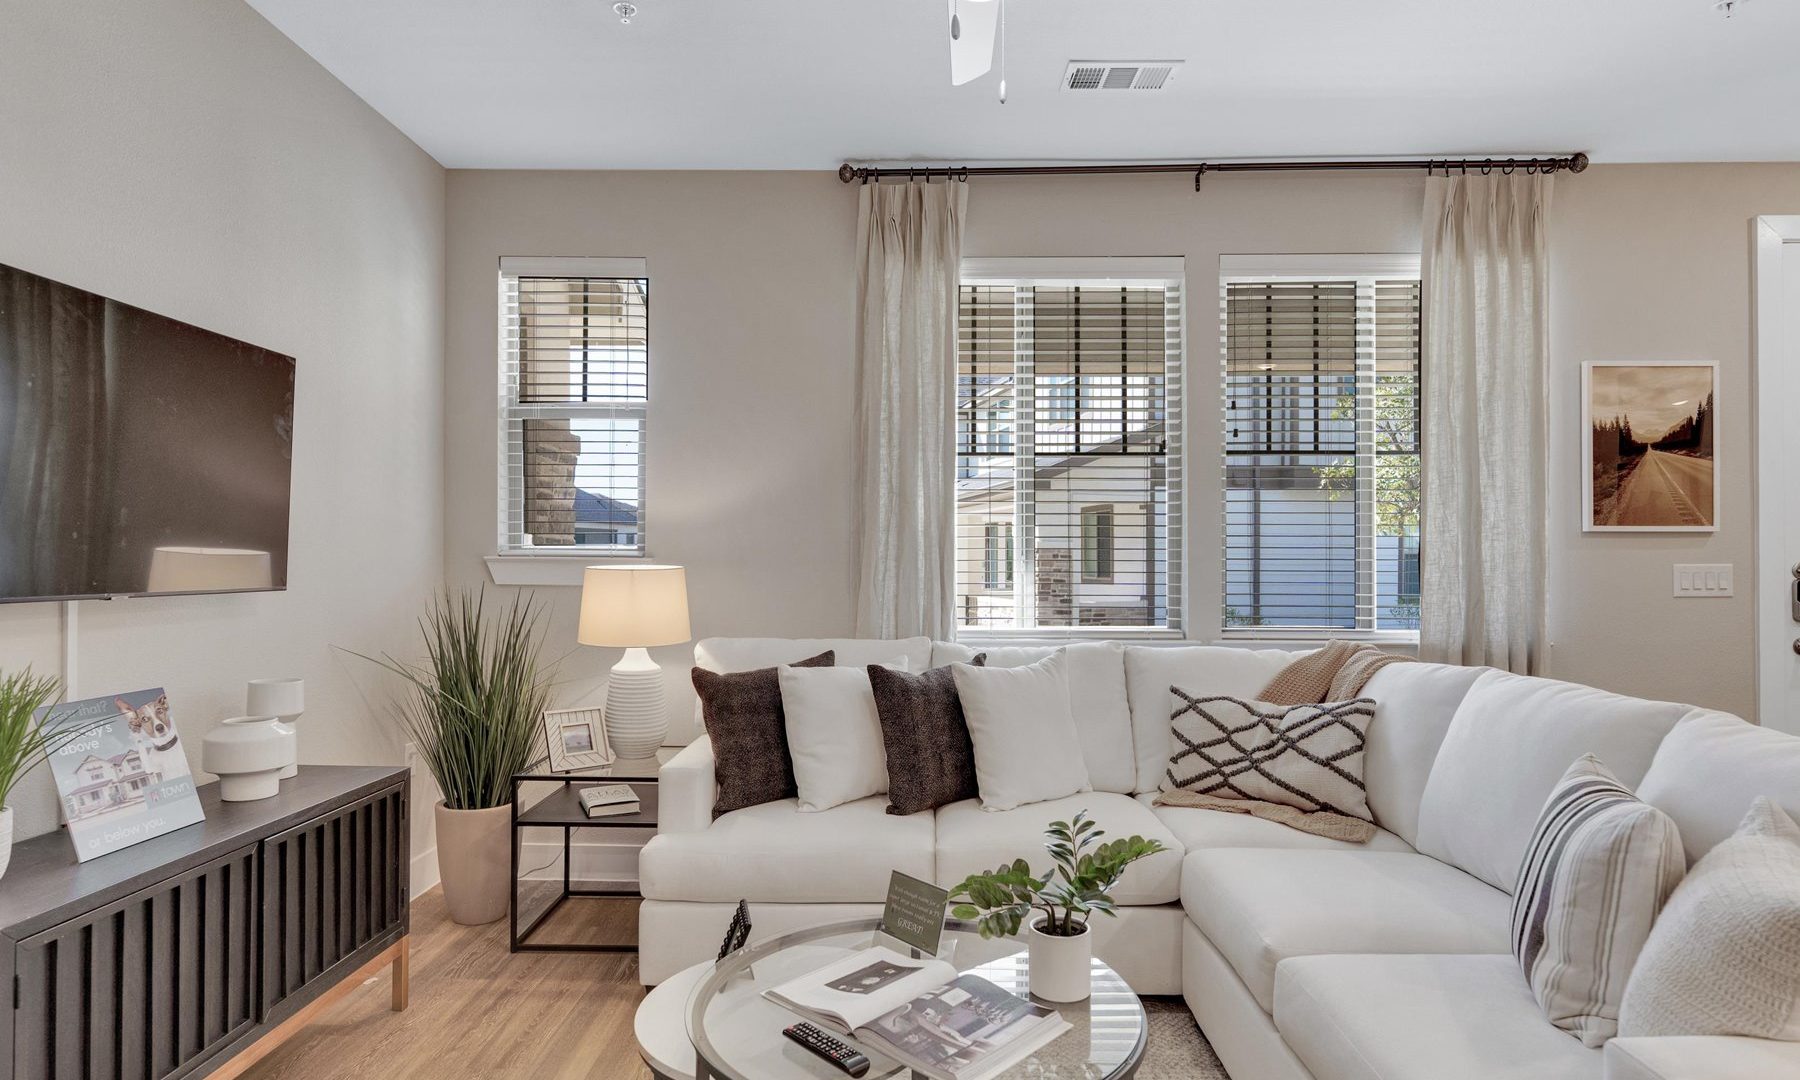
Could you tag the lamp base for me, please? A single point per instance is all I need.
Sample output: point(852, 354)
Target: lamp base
point(637, 706)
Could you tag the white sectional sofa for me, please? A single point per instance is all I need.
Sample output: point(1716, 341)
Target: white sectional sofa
point(1302, 958)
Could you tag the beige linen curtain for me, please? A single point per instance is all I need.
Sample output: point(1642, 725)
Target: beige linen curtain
point(1485, 266)
point(909, 251)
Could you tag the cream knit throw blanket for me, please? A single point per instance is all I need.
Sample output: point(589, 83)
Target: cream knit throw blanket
point(1337, 672)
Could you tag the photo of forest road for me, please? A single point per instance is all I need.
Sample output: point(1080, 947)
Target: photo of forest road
point(1653, 445)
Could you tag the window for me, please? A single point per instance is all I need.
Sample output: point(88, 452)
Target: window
point(1097, 544)
point(575, 391)
point(1321, 493)
point(1068, 445)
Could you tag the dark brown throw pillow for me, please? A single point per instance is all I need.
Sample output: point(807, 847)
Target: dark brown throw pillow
point(930, 760)
point(742, 710)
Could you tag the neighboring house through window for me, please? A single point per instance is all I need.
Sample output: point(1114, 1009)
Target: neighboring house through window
point(1068, 445)
point(575, 396)
point(1322, 439)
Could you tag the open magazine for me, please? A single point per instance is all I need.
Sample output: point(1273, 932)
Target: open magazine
point(922, 1013)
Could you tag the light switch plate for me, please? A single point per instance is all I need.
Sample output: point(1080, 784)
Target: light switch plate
point(1703, 579)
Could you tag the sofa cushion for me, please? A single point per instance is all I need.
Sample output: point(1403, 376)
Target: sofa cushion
point(1096, 697)
point(1421, 1017)
point(1701, 1057)
point(1261, 906)
point(925, 739)
point(971, 840)
point(1511, 740)
point(775, 853)
point(1200, 669)
point(1413, 707)
point(1309, 757)
point(726, 654)
point(1027, 748)
point(1712, 767)
point(1199, 829)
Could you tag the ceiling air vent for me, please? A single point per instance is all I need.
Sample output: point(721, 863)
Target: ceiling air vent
point(1087, 75)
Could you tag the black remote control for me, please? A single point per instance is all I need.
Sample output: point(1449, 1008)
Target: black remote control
point(836, 1051)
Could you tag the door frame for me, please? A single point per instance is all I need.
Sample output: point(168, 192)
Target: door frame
point(1769, 233)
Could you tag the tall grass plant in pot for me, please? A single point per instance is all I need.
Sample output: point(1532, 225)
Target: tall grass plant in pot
point(1082, 875)
point(24, 743)
point(472, 710)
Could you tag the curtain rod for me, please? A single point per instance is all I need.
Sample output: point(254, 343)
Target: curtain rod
point(1573, 163)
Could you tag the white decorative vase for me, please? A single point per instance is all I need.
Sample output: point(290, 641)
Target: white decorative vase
point(285, 700)
point(1060, 967)
point(637, 707)
point(247, 753)
point(474, 852)
point(6, 816)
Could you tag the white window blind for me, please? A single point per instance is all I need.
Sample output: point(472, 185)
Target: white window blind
point(575, 394)
point(1321, 457)
point(1068, 453)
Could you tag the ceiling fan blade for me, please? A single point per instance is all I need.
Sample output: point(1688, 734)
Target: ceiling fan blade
point(972, 50)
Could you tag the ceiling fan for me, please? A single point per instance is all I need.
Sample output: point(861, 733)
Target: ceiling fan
point(976, 28)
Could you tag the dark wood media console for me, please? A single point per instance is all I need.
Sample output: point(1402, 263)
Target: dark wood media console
point(195, 953)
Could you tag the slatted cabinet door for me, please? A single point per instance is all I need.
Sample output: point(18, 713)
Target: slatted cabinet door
point(331, 886)
point(145, 987)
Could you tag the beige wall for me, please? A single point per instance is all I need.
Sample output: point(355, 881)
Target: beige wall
point(750, 447)
point(184, 156)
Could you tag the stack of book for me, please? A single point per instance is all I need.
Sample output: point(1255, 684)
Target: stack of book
point(609, 800)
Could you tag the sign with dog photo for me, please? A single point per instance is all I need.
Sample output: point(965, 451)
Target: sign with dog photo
point(125, 779)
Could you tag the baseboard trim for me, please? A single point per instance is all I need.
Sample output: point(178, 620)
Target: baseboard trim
point(424, 876)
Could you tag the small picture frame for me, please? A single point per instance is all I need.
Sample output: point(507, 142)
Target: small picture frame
point(576, 740)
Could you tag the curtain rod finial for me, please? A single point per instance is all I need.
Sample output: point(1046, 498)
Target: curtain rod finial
point(1578, 163)
point(846, 172)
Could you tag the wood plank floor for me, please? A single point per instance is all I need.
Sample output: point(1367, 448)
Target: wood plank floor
point(481, 1012)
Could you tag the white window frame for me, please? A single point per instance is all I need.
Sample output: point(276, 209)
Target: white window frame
point(1264, 268)
point(1098, 271)
point(513, 563)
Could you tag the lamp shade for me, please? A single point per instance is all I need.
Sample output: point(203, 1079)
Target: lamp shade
point(634, 607)
point(203, 569)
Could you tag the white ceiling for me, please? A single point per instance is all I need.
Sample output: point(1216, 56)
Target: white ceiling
point(805, 84)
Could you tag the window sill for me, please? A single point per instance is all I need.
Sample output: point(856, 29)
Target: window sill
point(1020, 636)
point(564, 570)
point(1406, 641)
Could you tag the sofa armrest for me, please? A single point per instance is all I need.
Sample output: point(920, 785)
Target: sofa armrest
point(1700, 1057)
point(685, 789)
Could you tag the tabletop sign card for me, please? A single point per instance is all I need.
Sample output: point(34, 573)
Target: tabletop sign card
point(125, 778)
point(915, 912)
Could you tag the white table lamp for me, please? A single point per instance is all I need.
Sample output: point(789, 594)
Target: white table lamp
point(635, 608)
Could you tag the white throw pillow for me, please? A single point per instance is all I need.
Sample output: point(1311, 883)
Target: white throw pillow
point(834, 734)
point(1724, 957)
point(1600, 865)
point(1027, 748)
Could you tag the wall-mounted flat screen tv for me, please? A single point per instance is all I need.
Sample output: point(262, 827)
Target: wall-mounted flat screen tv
point(138, 454)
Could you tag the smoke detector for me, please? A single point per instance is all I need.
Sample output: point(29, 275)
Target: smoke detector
point(1086, 75)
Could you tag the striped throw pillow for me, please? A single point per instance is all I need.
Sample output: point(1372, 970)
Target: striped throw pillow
point(1600, 865)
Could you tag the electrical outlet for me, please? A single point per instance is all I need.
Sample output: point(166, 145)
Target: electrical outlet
point(1703, 579)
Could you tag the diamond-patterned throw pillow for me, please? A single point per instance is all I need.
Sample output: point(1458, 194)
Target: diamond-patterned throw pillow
point(1304, 756)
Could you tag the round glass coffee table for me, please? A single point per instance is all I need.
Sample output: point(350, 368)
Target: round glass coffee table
point(736, 1031)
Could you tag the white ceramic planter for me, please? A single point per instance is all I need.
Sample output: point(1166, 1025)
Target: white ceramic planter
point(474, 853)
point(6, 816)
point(285, 700)
point(1061, 967)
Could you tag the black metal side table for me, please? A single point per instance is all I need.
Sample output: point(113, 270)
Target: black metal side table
point(561, 809)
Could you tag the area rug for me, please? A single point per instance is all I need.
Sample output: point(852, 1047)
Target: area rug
point(1176, 1049)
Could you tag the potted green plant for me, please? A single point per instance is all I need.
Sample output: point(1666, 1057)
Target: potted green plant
point(472, 709)
point(1083, 873)
point(24, 743)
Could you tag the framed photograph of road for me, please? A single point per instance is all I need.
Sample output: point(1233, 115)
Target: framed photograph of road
point(1652, 462)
